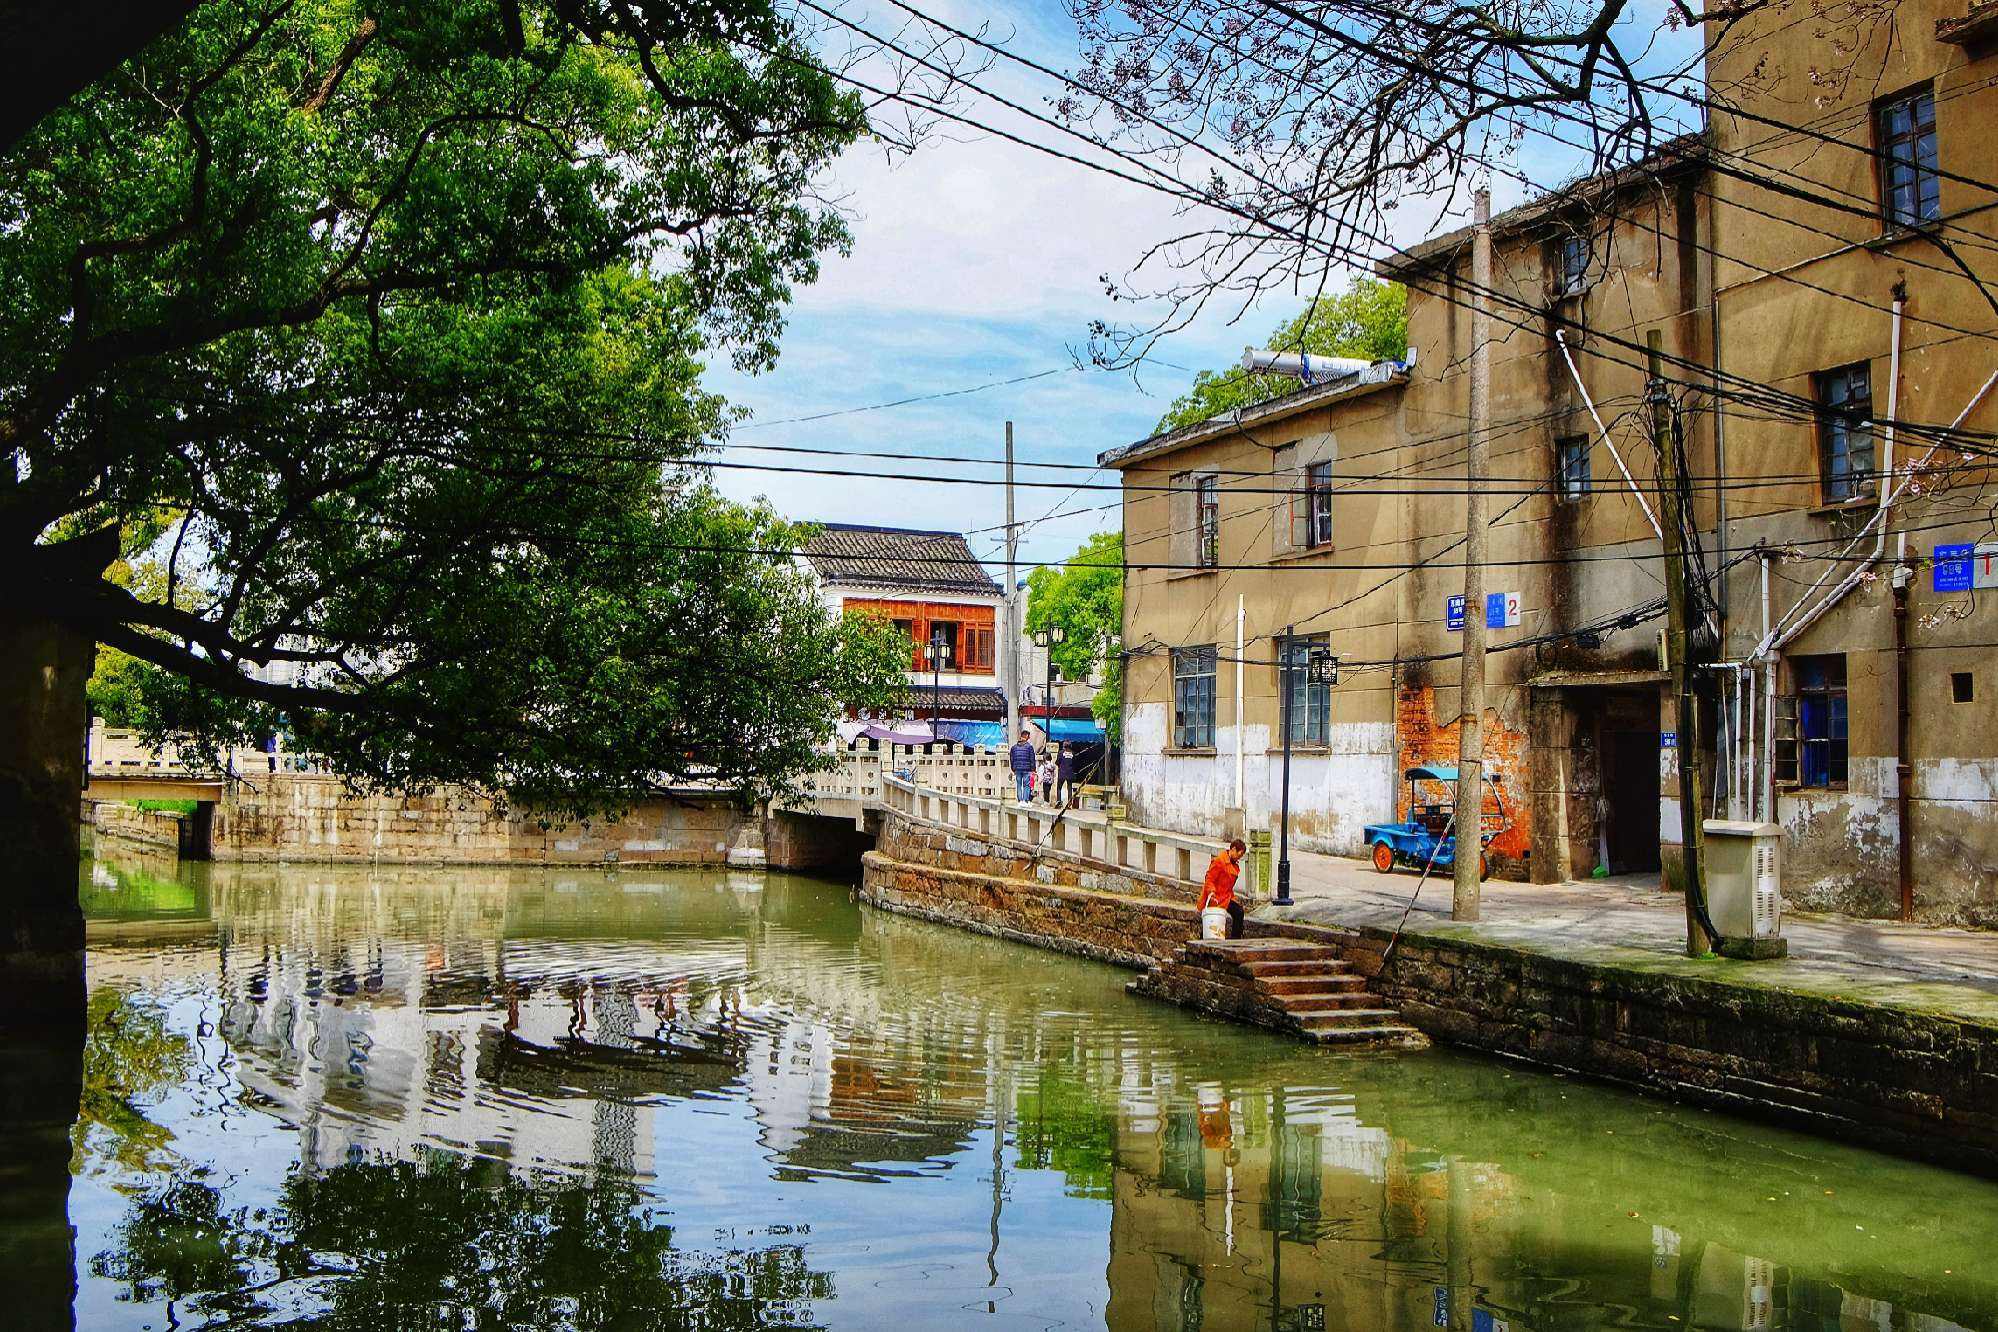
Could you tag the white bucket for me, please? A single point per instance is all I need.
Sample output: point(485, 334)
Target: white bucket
point(1214, 923)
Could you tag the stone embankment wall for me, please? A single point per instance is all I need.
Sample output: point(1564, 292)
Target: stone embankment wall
point(129, 823)
point(1919, 1082)
point(312, 817)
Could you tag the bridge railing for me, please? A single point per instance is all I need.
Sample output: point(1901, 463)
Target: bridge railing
point(1088, 834)
point(943, 765)
point(116, 751)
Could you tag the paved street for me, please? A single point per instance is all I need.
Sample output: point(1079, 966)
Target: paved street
point(1630, 919)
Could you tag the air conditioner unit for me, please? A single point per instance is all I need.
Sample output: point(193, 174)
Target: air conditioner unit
point(1744, 873)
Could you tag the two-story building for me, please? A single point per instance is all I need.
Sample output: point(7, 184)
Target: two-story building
point(1811, 282)
point(932, 587)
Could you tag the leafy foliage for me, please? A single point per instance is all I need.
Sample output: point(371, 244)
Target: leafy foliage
point(444, 1241)
point(128, 1055)
point(1369, 319)
point(1085, 596)
point(389, 320)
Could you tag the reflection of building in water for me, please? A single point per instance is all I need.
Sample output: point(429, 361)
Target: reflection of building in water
point(1244, 1211)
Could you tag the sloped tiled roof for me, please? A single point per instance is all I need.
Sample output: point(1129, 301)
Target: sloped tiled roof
point(897, 557)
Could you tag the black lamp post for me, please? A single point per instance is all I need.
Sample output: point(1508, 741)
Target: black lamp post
point(1321, 667)
point(938, 652)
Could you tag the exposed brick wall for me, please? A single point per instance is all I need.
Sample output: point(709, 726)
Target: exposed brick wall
point(1422, 738)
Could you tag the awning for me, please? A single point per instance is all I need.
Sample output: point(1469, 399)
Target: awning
point(978, 734)
point(1077, 730)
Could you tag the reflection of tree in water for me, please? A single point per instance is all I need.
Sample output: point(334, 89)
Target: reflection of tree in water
point(444, 1241)
point(128, 1055)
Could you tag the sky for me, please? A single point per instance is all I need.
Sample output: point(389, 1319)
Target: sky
point(976, 260)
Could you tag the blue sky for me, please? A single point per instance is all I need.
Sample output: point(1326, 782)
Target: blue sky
point(977, 260)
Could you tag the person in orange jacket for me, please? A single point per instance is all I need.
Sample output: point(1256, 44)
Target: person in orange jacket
point(1219, 890)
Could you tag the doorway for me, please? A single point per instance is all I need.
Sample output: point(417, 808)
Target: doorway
point(1630, 797)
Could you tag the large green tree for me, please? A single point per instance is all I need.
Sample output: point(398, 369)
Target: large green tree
point(397, 312)
point(1368, 320)
point(1085, 596)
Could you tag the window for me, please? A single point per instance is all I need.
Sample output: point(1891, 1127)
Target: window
point(1811, 724)
point(1574, 262)
point(944, 632)
point(1207, 507)
point(1572, 453)
point(1310, 704)
point(1317, 514)
point(1193, 698)
point(977, 649)
point(1962, 689)
point(1910, 185)
point(1845, 431)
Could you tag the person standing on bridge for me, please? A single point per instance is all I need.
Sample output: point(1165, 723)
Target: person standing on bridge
point(1219, 890)
point(1021, 758)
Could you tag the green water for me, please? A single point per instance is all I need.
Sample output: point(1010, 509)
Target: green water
point(406, 1098)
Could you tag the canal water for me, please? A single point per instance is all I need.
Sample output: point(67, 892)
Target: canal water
point(457, 1098)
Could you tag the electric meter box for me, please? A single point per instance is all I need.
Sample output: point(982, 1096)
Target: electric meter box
point(1745, 878)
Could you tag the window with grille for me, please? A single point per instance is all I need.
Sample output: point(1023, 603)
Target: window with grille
point(1845, 431)
point(1193, 698)
point(1207, 500)
point(1310, 705)
point(1910, 183)
point(1572, 453)
point(1318, 504)
point(1811, 724)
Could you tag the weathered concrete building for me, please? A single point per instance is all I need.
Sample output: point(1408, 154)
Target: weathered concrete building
point(1817, 305)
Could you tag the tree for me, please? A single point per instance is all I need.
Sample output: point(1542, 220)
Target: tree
point(399, 311)
point(443, 1240)
point(1085, 596)
point(1368, 320)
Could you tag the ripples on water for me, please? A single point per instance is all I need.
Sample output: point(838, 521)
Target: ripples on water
point(463, 1098)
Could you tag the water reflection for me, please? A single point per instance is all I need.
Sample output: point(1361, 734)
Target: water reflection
point(530, 1099)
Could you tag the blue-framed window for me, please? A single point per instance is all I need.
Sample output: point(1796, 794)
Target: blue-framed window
point(1910, 181)
point(1845, 431)
point(1811, 724)
point(1193, 698)
point(1572, 453)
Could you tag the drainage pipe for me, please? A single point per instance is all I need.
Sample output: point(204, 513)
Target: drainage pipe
point(1903, 771)
point(1768, 772)
point(1241, 723)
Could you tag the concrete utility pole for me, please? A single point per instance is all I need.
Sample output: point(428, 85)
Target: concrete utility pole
point(1465, 893)
point(1010, 656)
point(1674, 512)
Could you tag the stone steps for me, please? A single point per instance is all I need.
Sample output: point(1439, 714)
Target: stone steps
point(1304, 988)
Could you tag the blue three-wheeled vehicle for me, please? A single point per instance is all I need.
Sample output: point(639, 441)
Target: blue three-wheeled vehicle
point(1427, 838)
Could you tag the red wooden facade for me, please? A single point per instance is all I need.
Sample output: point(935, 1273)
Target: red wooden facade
point(968, 630)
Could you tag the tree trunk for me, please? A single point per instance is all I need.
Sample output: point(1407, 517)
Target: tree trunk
point(44, 721)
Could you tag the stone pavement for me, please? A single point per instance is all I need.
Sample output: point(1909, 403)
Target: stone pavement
point(1630, 921)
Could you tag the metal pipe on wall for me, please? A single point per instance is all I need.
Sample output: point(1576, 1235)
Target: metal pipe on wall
point(1241, 723)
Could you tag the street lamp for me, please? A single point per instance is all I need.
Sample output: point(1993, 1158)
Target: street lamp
point(938, 652)
point(1049, 638)
point(1320, 668)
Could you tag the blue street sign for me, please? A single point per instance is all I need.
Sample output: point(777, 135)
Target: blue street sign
point(1668, 740)
point(1442, 1311)
point(1453, 613)
point(1953, 568)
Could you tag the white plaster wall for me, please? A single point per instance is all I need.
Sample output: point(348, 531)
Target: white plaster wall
point(1334, 792)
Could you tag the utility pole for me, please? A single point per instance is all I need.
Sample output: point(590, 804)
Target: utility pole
point(1665, 428)
point(1466, 891)
point(1010, 656)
